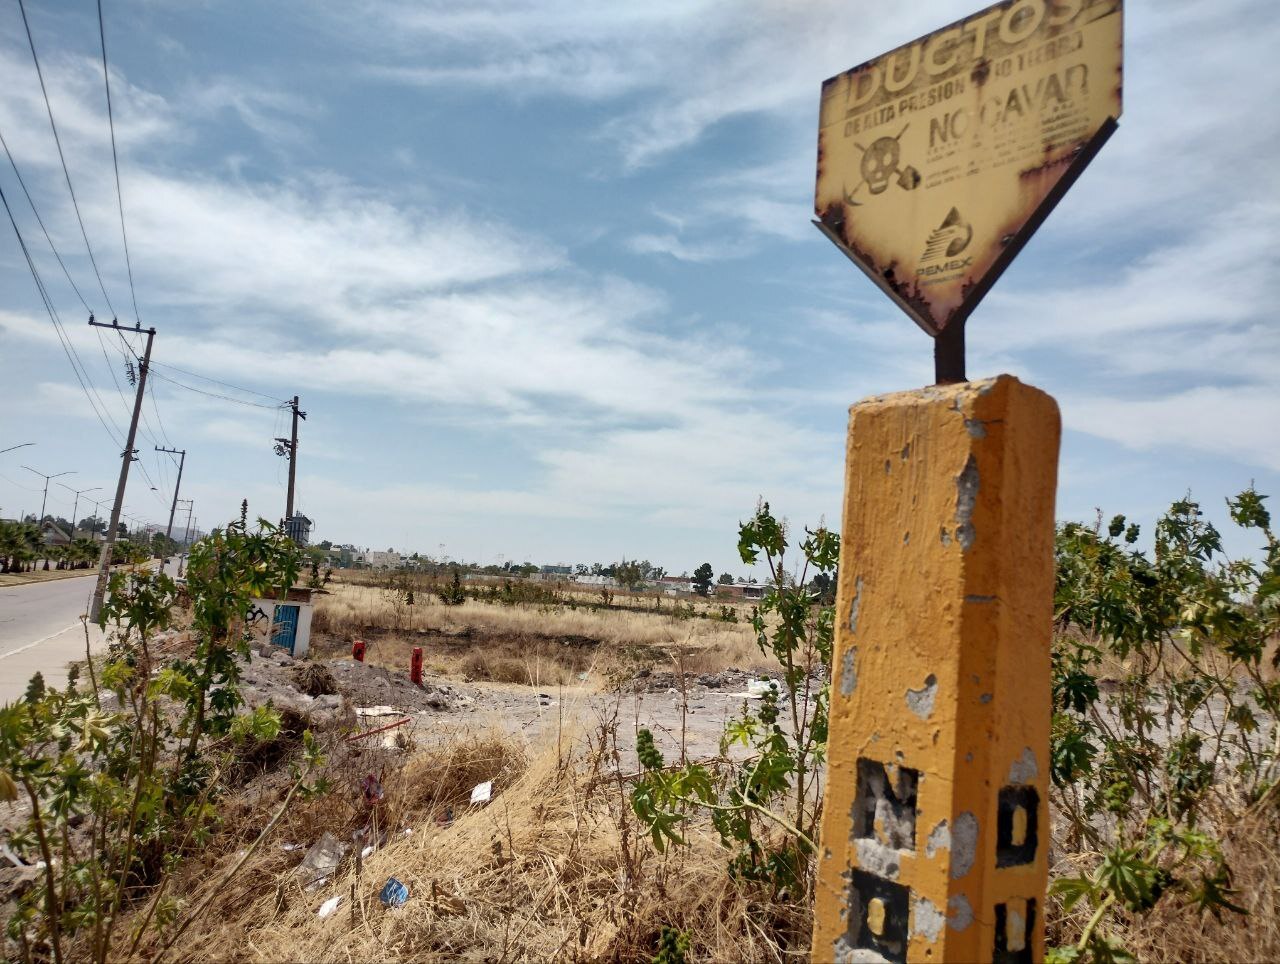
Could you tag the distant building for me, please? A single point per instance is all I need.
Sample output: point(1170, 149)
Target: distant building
point(741, 590)
point(675, 585)
point(376, 559)
point(599, 581)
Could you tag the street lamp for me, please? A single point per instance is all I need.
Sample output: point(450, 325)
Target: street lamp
point(44, 498)
point(18, 446)
point(76, 504)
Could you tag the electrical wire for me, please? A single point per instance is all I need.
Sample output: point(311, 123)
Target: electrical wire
point(111, 368)
point(23, 184)
point(151, 391)
point(67, 348)
point(62, 157)
point(19, 485)
point(201, 391)
point(62, 264)
point(238, 388)
point(115, 161)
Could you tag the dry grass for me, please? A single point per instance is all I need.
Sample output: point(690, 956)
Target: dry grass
point(526, 643)
point(553, 868)
point(1176, 931)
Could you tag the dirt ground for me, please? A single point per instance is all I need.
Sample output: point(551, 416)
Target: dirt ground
point(445, 708)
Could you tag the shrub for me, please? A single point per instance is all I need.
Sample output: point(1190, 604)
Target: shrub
point(1153, 769)
point(776, 787)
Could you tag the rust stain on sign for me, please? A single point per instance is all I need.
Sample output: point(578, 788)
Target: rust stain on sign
point(937, 160)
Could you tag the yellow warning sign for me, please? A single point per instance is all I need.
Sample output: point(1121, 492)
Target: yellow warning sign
point(939, 159)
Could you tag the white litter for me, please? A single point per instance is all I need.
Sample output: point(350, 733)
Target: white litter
point(367, 852)
point(377, 711)
point(757, 688)
point(483, 792)
point(329, 906)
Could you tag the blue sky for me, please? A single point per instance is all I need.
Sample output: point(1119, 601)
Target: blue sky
point(544, 278)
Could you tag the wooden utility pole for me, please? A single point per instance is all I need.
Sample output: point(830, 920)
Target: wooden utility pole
point(191, 504)
point(126, 457)
point(168, 532)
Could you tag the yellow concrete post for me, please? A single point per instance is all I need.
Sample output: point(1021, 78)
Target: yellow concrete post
point(935, 828)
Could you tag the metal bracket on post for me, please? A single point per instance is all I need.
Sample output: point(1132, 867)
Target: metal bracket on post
point(948, 354)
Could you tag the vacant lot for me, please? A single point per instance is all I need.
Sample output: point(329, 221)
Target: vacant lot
point(575, 639)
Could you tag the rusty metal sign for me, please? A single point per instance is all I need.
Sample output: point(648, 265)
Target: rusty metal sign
point(938, 160)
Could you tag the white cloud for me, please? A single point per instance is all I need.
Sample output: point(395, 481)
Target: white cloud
point(672, 245)
point(1236, 422)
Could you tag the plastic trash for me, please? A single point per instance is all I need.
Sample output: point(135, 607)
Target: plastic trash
point(394, 893)
point(329, 906)
point(371, 787)
point(482, 792)
point(367, 852)
point(757, 688)
point(322, 859)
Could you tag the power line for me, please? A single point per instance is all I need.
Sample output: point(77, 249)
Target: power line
point(226, 398)
point(67, 348)
point(19, 485)
point(247, 391)
point(74, 356)
point(40, 221)
point(62, 157)
point(156, 408)
point(115, 160)
point(111, 368)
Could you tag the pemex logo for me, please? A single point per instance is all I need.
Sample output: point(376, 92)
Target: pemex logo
point(950, 238)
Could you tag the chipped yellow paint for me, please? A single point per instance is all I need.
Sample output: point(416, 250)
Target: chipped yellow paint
point(875, 916)
point(940, 699)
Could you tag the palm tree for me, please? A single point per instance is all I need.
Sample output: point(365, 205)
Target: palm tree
point(84, 552)
point(19, 545)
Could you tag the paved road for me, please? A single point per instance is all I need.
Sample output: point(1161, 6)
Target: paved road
point(40, 630)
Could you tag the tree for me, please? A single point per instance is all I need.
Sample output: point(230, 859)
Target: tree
point(629, 574)
point(823, 588)
point(92, 524)
point(725, 579)
point(702, 577)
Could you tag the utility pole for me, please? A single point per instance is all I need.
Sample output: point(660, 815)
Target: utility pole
point(168, 533)
point(289, 449)
point(45, 498)
point(76, 504)
point(126, 457)
point(190, 504)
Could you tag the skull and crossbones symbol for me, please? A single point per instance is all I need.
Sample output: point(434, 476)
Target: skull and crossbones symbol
point(880, 162)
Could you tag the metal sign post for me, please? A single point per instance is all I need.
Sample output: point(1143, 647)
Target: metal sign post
point(936, 163)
